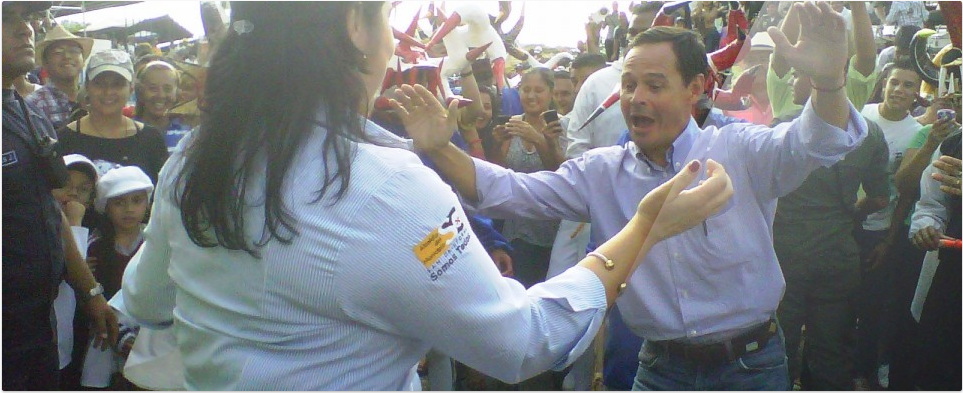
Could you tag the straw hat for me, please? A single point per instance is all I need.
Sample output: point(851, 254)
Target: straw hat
point(59, 33)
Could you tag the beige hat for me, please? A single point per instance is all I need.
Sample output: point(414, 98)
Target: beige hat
point(59, 33)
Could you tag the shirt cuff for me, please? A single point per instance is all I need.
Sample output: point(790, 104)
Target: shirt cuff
point(827, 143)
point(486, 178)
point(921, 222)
point(579, 291)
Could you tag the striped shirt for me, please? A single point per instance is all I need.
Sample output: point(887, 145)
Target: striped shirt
point(369, 285)
point(53, 103)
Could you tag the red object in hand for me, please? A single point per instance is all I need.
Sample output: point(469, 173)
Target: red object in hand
point(951, 243)
point(611, 100)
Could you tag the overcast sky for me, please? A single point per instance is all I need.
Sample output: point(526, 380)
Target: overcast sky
point(550, 23)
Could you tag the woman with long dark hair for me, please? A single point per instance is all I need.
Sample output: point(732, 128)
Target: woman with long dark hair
point(291, 250)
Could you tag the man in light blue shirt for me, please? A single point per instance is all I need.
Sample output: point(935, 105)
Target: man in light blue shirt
point(703, 300)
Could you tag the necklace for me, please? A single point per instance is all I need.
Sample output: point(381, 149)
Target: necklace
point(98, 133)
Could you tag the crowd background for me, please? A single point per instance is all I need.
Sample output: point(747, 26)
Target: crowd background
point(868, 305)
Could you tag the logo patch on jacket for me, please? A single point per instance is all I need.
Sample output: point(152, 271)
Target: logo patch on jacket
point(10, 158)
point(444, 245)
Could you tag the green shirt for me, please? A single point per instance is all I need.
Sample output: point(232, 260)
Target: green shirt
point(818, 218)
point(858, 88)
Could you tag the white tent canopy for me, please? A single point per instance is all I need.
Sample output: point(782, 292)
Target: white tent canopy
point(185, 13)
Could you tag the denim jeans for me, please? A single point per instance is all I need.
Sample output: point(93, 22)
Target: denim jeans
point(765, 369)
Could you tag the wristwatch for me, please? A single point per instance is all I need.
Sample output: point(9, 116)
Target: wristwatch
point(96, 290)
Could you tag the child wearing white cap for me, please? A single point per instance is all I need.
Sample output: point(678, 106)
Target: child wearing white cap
point(123, 196)
point(74, 198)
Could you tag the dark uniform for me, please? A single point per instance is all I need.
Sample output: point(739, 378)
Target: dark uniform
point(812, 236)
point(33, 257)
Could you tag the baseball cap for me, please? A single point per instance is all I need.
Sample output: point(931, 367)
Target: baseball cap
point(120, 181)
point(79, 162)
point(110, 60)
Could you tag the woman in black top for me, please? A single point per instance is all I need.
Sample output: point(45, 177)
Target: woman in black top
point(105, 135)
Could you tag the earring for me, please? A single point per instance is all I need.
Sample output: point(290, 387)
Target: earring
point(364, 56)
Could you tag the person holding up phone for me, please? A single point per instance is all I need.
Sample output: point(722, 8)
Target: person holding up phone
point(529, 137)
point(529, 143)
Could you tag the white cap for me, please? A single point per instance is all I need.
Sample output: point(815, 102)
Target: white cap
point(762, 41)
point(81, 161)
point(120, 181)
point(110, 60)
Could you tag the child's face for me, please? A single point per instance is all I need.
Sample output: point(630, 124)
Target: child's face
point(80, 188)
point(127, 211)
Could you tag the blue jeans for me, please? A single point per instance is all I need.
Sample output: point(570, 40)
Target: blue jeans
point(765, 369)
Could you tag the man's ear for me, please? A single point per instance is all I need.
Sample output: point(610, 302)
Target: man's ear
point(696, 88)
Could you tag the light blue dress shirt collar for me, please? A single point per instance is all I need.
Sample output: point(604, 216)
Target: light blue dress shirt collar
point(677, 152)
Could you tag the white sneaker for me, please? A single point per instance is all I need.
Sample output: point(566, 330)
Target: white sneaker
point(861, 384)
point(882, 376)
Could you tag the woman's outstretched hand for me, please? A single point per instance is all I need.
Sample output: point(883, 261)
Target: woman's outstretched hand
point(672, 209)
point(427, 122)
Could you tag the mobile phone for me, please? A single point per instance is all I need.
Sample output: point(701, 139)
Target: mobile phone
point(501, 120)
point(550, 116)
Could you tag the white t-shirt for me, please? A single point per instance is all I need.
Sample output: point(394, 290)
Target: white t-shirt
point(606, 129)
point(898, 136)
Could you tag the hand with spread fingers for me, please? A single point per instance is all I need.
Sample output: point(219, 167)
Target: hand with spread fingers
point(822, 37)
point(427, 122)
point(672, 209)
point(949, 174)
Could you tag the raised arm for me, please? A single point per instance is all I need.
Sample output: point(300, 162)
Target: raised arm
point(818, 55)
point(864, 40)
point(469, 90)
point(789, 28)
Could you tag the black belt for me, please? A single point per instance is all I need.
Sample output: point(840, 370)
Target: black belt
point(722, 352)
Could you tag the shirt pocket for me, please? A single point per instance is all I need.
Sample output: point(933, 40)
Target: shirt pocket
point(725, 241)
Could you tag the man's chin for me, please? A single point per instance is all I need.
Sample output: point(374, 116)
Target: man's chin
point(20, 67)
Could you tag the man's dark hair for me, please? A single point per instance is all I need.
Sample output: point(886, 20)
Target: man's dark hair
point(595, 60)
point(904, 62)
point(562, 74)
point(904, 36)
point(689, 51)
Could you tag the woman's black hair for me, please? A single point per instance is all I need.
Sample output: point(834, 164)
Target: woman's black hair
point(284, 70)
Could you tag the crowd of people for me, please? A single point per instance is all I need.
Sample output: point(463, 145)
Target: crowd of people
point(699, 196)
